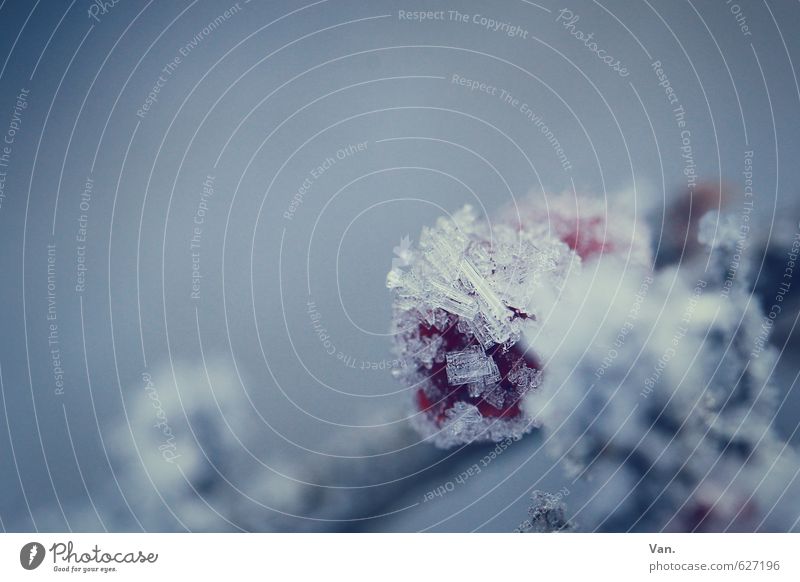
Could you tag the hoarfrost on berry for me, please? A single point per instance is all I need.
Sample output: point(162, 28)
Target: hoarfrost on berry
point(470, 291)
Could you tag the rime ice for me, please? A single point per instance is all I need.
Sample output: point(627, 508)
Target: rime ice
point(546, 514)
point(471, 366)
point(467, 294)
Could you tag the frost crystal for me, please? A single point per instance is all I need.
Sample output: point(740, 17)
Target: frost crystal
point(715, 230)
point(462, 418)
point(471, 366)
point(465, 297)
point(456, 270)
point(546, 514)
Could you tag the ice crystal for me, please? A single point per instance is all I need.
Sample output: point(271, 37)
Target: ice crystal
point(547, 514)
point(459, 269)
point(466, 295)
point(471, 366)
point(717, 230)
point(462, 418)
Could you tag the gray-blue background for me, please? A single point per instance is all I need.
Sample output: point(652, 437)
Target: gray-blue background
point(261, 101)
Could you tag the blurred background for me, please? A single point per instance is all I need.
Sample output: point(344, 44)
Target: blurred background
point(199, 203)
